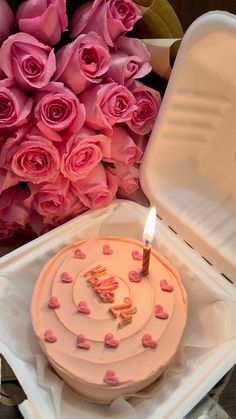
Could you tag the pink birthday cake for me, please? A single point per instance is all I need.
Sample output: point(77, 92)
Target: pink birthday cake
point(106, 329)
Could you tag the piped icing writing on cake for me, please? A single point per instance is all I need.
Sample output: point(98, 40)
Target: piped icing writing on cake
point(132, 310)
point(82, 343)
point(79, 254)
point(83, 308)
point(165, 286)
point(134, 276)
point(111, 378)
point(66, 277)
point(107, 250)
point(127, 304)
point(49, 336)
point(110, 341)
point(103, 287)
point(160, 313)
point(97, 270)
point(124, 321)
point(125, 312)
point(148, 341)
point(136, 255)
point(53, 303)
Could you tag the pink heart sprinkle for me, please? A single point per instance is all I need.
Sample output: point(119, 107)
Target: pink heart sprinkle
point(148, 342)
point(83, 308)
point(53, 302)
point(79, 254)
point(49, 336)
point(66, 277)
point(81, 342)
point(111, 378)
point(160, 313)
point(134, 276)
point(107, 250)
point(165, 286)
point(110, 341)
point(136, 255)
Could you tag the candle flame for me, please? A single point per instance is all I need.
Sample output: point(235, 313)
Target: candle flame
point(150, 225)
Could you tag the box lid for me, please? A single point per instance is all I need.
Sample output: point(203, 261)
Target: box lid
point(189, 167)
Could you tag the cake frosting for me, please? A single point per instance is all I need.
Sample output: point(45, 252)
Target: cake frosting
point(105, 329)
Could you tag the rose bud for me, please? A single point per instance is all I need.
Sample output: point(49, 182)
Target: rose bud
point(111, 19)
point(29, 62)
point(6, 20)
point(30, 156)
point(98, 188)
point(83, 152)
point(123, 148)
point(148, 102)
point(106, 105)
point(82, 62)
point(44, 19)
point(129, 62)
point(15, 106)
point(58, 111)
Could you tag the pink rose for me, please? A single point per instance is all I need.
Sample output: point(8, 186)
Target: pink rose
point(6, 20)
point(15, 106)
point(128, 178)
point(111, 19)
point(106, 105)
point(83, 152)
point(58, 110)
point(148, 102)
point(44, 19)
point(53, 201)
point(123, 148)
point(130, 62)
point(31, 156)
point(98, 188)
point(13, 213)
point(29, 62)
point(82, 62)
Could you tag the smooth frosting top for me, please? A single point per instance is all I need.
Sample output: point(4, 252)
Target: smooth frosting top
point(78, 329)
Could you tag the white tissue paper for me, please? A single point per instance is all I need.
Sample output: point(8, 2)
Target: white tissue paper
point(204, 351)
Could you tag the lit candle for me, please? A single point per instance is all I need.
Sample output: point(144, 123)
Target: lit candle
point(147, 238)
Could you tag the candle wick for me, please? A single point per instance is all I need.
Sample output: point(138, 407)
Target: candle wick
point(147, 242)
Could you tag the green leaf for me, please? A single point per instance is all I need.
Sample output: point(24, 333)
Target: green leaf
point(159, 20)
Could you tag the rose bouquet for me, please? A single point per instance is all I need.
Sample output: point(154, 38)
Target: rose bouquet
point(74, 115)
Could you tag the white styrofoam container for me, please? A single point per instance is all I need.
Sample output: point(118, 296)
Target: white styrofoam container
point(171, 401)
point(189, 175)
point(189, 167)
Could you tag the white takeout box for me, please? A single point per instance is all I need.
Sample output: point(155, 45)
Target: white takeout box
point(189, 174)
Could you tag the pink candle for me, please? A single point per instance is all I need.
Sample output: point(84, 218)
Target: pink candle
point(147, 237)
point(146, 259)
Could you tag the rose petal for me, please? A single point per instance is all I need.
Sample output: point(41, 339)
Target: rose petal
point(45, 22)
